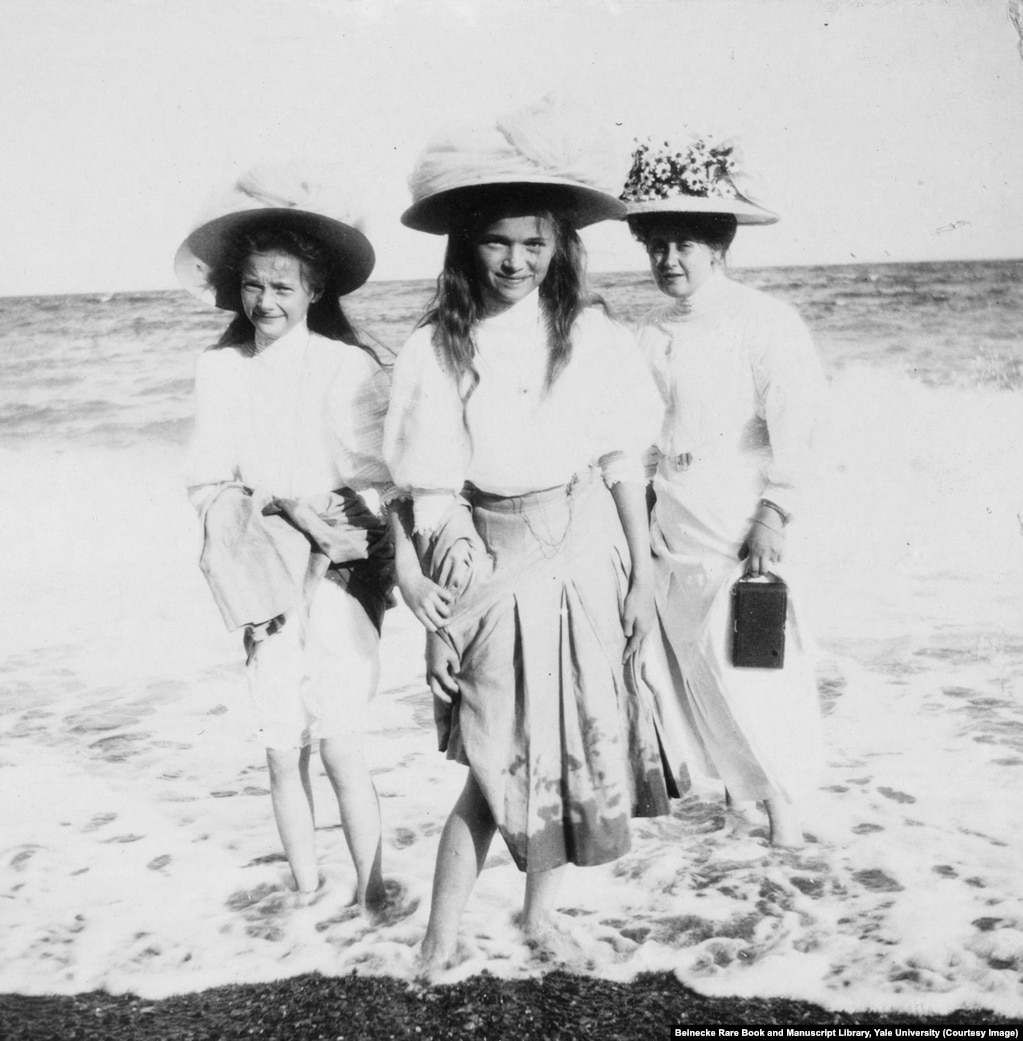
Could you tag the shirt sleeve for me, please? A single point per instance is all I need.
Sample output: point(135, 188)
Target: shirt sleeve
point(631, 409)
point(790, 388)
point(426, 443)
point(211, 459)
point(357, 411)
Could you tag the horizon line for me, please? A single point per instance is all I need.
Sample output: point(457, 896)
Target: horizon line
point(111, 293)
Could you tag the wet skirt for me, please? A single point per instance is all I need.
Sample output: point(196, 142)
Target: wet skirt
point(561, 743)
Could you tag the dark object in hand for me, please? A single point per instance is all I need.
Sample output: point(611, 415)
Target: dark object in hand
point(758, 623)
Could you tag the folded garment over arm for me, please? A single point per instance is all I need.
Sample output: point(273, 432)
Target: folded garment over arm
point(259, 567)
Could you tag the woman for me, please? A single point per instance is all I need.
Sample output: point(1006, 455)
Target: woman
point(518, 391)
point(742, 385)
point(289, 421)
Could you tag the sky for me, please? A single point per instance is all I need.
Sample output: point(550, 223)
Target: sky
point(883, 130)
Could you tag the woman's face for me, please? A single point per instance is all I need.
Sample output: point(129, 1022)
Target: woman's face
point(680, 264)
point(275, 293)
point(512, 258)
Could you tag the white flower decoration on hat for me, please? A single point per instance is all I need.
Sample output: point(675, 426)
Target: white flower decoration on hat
point(702, 177)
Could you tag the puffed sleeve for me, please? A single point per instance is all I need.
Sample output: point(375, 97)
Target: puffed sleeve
point(790, 389)
point(628, 419)
point(212, 458)
point(426, 443)
point(357, 407)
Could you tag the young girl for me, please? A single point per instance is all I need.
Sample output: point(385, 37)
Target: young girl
point(290, 410)
point(518, 418)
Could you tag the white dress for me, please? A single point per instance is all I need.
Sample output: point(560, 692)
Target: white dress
point(300, 419)
point(742, 386)
point(562, 749)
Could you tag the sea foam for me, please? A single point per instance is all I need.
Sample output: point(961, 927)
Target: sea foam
point(138, 852)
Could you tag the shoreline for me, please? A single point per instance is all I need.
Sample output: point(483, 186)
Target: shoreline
point(555, 1006)
point(595, 275)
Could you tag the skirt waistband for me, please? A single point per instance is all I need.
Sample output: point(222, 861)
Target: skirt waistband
point(529, 501)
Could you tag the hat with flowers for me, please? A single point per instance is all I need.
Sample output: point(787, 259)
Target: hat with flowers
point(701, 177)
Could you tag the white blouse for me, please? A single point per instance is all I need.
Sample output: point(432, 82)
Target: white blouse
point(514, 435)
point(741, 383)
point(302, 417)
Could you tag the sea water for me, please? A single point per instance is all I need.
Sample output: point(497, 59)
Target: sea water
point(137, 845)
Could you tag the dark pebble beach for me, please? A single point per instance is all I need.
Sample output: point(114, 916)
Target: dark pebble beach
point(367, 1008)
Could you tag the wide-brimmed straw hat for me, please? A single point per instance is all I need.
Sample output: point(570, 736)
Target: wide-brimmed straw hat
point(547, 156)
point(701, 178)
point(269, 197)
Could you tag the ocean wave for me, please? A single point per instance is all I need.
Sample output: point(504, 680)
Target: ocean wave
point(158, 870)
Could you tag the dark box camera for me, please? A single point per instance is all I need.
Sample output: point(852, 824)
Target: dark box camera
point(758, 623)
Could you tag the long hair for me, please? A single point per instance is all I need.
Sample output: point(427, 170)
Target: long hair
point(457, 305)
point(319, 272)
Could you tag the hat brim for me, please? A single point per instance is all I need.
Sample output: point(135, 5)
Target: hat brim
point(743, 212)
point(352, 255)
point(437, 214)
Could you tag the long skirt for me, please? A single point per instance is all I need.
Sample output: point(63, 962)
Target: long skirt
point(563, 748)
point(757, 730)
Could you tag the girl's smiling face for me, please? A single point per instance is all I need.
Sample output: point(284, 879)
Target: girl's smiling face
point(512, 258)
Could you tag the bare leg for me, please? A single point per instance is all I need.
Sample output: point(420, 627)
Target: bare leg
point(460, 858)
point(357, 800)
point(785, 827)
point(541, 892)
point(292, 798)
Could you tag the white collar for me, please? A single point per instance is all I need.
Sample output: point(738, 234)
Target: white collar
point(703, 299)
point(522, 317)
point(291, 344)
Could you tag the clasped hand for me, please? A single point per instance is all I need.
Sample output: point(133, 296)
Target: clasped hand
point(430, 601)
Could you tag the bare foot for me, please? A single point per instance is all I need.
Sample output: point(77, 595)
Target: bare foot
point(552, 938)
point(308, 897)
point(786, 831)
point(303, 897)
point(432, 962)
